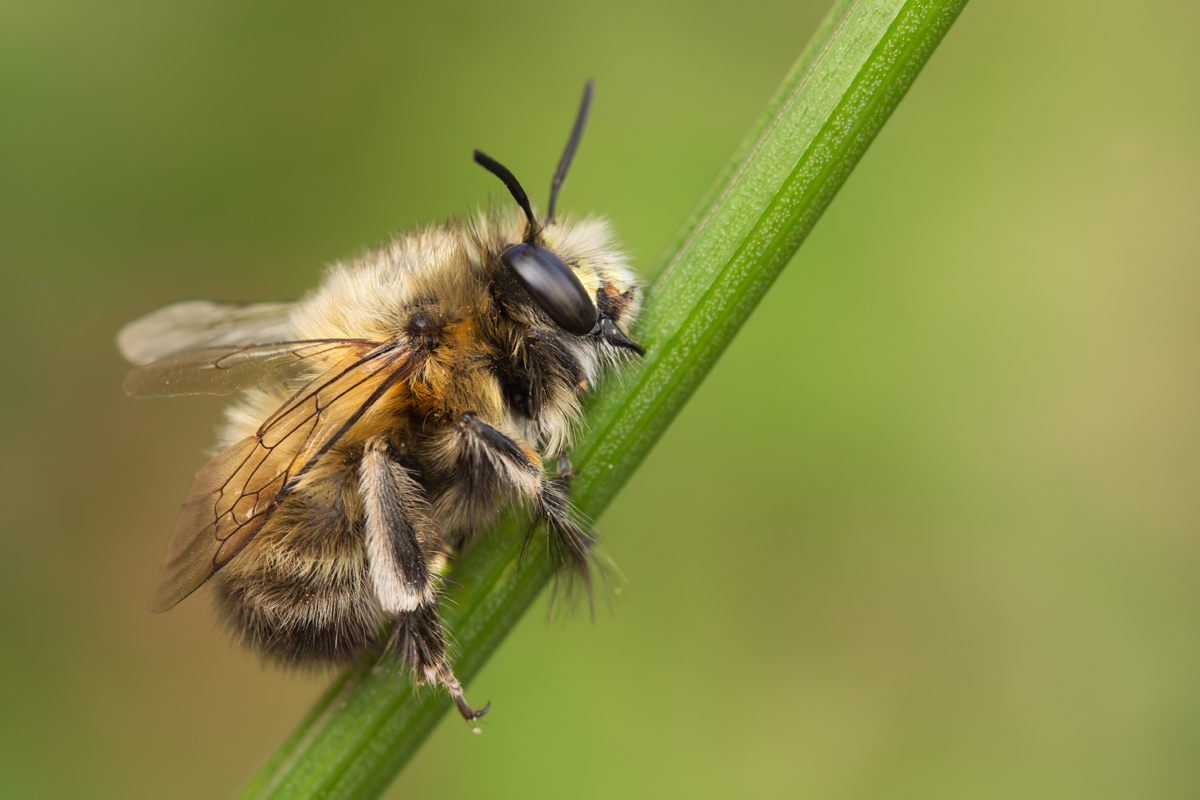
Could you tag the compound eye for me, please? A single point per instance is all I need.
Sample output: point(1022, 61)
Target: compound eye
point(554, 286)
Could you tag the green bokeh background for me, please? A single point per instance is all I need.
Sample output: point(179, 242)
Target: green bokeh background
point(929, 529)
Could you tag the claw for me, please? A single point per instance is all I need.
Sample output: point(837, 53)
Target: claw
point(468, 713)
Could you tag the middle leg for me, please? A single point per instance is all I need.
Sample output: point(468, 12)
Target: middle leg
point(489, 467)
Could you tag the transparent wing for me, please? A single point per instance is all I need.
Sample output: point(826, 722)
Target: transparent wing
point(231, 368)
point(193, 324)
point(237, 491)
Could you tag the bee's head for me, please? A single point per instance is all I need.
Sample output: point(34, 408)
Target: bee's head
point(550, 282)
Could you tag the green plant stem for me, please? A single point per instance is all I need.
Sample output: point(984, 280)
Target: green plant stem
point(745, 229)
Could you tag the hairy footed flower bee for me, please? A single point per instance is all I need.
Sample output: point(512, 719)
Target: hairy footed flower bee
point(384, 420)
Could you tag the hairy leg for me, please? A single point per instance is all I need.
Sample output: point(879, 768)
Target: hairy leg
point(397, 525)
point(491, 465)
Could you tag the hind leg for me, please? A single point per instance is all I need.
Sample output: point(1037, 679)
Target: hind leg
point(400, 543)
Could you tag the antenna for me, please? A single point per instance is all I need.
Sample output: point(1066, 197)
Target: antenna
point(514, 186)
point(564, 163)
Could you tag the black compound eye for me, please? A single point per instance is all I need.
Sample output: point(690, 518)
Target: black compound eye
point(554, 286)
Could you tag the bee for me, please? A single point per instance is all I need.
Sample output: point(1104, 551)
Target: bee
point(383, 422)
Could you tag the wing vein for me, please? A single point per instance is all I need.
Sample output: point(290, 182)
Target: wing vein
point(239, 490)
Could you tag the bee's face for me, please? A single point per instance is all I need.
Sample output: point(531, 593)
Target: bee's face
point(537, 262)
point(566, 276)
point(554, 287)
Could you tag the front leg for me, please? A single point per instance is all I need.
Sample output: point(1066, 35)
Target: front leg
point(400, 545)
point(565, 471)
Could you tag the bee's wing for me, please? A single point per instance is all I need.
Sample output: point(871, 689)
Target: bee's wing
point(193, 324)
point(230, 368)
point(238, 490)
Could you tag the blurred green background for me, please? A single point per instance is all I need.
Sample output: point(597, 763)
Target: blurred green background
point(928, 530)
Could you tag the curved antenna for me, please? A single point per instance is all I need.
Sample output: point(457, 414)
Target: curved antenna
point(564, 163)
point(514, 186)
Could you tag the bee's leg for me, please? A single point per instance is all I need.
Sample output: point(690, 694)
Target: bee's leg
point(489, 461)
point(570, 544)
point(397, 521)
point(565, 470)
point(418, 641)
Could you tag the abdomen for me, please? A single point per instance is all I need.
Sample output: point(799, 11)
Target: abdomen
point(299, 591)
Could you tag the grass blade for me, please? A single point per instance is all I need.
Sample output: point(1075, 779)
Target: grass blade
point(745, 229)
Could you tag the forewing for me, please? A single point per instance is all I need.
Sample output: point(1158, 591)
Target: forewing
point(237, 491)
point(230, 368)
point(193, 324)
